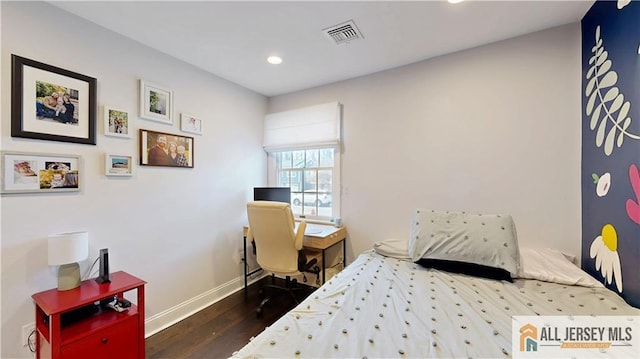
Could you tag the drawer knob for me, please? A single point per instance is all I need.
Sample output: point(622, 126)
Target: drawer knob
point(104, 340)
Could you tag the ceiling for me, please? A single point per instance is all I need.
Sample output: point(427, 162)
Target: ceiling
point(232, 39)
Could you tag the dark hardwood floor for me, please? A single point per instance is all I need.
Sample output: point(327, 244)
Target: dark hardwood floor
point(222, 328)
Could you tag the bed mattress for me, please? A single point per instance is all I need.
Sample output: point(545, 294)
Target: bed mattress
point(383, 307)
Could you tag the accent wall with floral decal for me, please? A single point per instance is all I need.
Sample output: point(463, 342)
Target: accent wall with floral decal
point(610, 177)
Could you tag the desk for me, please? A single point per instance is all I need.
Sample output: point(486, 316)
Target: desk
point(317, 237)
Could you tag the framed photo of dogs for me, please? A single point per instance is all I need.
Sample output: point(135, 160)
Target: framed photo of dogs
point(24, 172)
point(50, 103)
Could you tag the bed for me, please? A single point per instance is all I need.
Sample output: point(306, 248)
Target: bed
point(389, 303)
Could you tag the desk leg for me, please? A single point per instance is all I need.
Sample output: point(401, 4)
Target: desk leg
point(244, 264)
point(344, 254)
point(323, 267)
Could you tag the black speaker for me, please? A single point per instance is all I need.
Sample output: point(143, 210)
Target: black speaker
point(104, 276)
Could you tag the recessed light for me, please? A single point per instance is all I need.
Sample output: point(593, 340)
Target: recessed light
point(274, 60)
point(455, 1)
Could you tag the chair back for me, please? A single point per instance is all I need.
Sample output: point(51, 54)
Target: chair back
point(272, 227)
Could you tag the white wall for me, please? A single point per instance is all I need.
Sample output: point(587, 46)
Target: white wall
point(495, 129)
point(178, 229)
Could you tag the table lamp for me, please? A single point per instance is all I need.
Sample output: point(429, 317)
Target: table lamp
point(66, 250)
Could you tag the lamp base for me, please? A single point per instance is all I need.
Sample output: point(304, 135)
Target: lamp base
point(68, 276)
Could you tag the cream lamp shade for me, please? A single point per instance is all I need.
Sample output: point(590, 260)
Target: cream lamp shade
point(66, 250)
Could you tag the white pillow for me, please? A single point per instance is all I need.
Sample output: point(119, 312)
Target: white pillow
point(551, 265)
point(395, 248)
point(483, 239)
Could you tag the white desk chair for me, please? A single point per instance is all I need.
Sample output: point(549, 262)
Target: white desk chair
point(271, 226)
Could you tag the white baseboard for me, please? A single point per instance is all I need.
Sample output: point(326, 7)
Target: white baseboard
point(167, 318)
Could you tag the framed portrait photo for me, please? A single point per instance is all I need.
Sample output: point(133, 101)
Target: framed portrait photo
point(50, 103)
point(116, 122)
point(156, 103)
point(118, 165)
point(165, 149)
point(190, 124)
point(24, 172)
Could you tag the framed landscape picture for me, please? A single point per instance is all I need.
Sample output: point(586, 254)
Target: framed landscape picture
point(165, 149)
point(118, 165)
point(24, 172)
point(116, 122)
point(50, 103)
point(156, 103)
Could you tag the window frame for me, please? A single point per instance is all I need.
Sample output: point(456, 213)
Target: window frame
point(272, 180)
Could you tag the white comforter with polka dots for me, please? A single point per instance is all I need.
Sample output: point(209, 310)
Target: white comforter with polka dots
point(382, 307)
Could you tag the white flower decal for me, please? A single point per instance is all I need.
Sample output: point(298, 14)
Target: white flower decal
point(623, 3)
point(605, 251)
point(603, 183)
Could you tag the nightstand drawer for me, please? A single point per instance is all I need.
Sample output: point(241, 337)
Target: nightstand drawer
point(117, 341)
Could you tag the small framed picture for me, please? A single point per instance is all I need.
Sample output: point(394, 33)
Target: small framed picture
point(24, 172)
point(190, 124)
point(116, 122)
point(165, 149)
point(118, 165)
point(156, 103)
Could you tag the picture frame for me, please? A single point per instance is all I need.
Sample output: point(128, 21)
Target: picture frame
point(166, 149)
point(190, 124)
point(24, 172)
point(117, 123)
point(118, 165)
point(51, 103)
point(156, 103)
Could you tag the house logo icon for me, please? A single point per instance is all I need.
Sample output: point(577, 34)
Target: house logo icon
point(528, 336)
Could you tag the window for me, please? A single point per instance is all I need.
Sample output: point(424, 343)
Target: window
point(313, 176)
point(303, 153)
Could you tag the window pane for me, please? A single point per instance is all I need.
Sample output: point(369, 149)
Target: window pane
point(283, 160)
point(326, 157)
point(298, 159)
point(283, 179)
point(310, 180)
point(296, 200)
point(295, 181)
point(325, 211)
point(312, 158)
point(325, 182)
point(309, 201)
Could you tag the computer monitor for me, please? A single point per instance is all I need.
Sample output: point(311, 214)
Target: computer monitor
point(277, 194)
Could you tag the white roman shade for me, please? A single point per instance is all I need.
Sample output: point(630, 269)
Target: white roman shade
point(313, 126)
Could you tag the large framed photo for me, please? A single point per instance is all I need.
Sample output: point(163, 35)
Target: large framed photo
point(118, 165)
point(50, 103)
point(24, 172)
point(116, 122)
point(165, 149)
point(190, 124)
point(156, 103)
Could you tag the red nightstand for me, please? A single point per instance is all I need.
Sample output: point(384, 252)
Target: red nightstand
point(103, 334)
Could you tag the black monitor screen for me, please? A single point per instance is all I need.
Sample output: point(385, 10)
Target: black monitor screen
point(277, 194)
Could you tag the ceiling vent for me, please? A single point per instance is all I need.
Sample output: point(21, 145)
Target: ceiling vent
point(345, 32)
